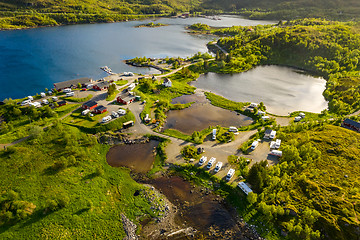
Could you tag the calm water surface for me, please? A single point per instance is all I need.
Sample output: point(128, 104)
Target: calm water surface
point(282, 89)
point(34, 59)
point(201, 115)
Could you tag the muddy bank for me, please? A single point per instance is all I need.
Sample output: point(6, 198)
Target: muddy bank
point(138, 157)
point(198, 213)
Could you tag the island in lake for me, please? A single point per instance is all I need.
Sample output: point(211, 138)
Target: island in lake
point(152, 25)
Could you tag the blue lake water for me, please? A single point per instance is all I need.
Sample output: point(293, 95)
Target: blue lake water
point(33, 59)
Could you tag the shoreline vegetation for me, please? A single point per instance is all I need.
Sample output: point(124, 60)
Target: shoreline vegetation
point(152, 25)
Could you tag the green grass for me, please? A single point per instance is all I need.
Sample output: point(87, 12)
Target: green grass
point(121, 82)
point(94, 126)
point(222, 102)
point(76, 118)
point(112, 96)
point(95, 194)
point(177, 134)
point(22, 126)
point(74, 99)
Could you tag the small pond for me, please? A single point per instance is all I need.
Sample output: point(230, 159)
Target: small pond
point(282, 89)
point(138, 157)
point(202, 115)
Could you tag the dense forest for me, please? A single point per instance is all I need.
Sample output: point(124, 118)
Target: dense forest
point(32, 13)
point(326, 48)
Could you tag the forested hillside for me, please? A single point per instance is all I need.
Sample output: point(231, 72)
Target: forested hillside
point(32, 13)
point(289, 9)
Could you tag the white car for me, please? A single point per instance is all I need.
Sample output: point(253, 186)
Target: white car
point(218, 167)
point(202, 160)
point(45, 101)
point(230, 174)
point(211, 162)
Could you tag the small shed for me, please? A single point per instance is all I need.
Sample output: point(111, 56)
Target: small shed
point(89, 105)
point(100, 109)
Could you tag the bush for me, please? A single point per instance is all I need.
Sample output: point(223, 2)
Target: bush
point(189, 152)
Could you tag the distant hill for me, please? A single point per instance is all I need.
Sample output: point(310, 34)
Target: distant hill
point(290, 9)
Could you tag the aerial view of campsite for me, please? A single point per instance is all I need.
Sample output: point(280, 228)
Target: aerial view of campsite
point(180, 119)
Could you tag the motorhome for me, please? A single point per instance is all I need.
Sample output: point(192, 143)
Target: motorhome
point(106, 119)
point(214, 134)
point(67, 90)
point(70, 94)
point(230, 174)
point(121, 111)
point(272, 134)
point(277, 143)
point(233, 129)
point(25, 102)
point(276, 153)
point(211, 162)
point(54, 99)
point(202, 160)
point(45, 101)
point(114, 114)
point(218, 167)
point(85, 112)
point(254, 145)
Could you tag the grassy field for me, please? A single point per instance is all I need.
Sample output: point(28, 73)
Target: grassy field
point(58, 185)
point(74, 99)
point(22, 126)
